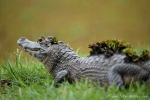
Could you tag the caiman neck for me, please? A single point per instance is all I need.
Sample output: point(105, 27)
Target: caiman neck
point(59, 54)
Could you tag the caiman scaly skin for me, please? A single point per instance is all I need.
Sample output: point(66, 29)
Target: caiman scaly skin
point(62, 62)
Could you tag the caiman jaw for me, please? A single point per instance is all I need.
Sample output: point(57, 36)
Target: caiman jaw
point(33, 48)
point(24, 43)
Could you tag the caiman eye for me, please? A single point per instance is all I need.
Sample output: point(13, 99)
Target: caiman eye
point(41, 40)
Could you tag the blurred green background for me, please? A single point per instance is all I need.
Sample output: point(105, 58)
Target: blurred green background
point(76, 22)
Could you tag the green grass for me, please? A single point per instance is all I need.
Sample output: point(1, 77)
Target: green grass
point(31, 81)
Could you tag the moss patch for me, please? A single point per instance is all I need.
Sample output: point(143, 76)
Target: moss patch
point(54, 40)
point(112, 46)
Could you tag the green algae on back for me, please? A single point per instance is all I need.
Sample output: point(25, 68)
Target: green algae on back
point(112, 46)
point(145, 55)
point(115, 44)
point(54, 40)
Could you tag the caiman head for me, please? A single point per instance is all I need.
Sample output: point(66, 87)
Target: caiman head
point(38, 49)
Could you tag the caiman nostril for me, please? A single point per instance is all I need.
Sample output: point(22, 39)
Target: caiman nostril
point(25, 43)
point(21, 40)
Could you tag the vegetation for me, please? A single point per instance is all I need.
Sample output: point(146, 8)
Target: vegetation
point(31, 81)
point(111, 46)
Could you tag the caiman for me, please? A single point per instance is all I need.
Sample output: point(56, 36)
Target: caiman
point(64, 64)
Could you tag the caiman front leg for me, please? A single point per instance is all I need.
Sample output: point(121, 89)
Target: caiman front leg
point(60, 77)
point(130, 71)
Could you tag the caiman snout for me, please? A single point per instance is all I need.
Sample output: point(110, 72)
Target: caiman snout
point(21, 40)
point(27, 44)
